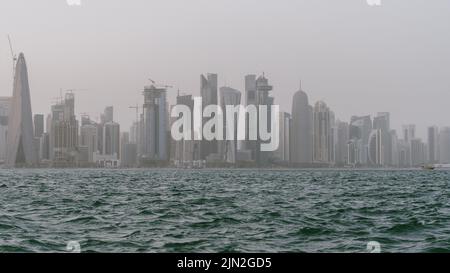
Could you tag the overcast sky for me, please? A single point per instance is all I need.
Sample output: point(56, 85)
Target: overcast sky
point(358, 59)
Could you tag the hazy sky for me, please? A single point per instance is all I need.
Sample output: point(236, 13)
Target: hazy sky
point(359, 59)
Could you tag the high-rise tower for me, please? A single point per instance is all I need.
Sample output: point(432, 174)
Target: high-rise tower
point(154, 128)
point(433, 144)
point(322, 133)
point(5, 103)
point(257, 93)
point(209, 93)
point(20, 141)
point(302, 130)
point(228, 148)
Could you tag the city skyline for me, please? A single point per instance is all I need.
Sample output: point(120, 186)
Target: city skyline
point(128, 121)
point(310, 136)
point(97, 116)
point(370, 59)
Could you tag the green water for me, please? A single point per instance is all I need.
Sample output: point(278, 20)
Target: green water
point(224, 210)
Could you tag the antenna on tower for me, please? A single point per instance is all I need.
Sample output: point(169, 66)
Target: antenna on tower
point(13, 55)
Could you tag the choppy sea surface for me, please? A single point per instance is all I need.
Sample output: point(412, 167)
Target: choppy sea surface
point(224, 210)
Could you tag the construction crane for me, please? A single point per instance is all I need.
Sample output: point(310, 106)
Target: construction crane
point(160, 85)
point(13, 55)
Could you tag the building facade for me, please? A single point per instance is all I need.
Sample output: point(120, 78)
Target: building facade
point(64, 133)
point(433, 144)
point(302, 130)
point(209, 93)
point(5, 103)
point(283, 153)
point(20, 140)
point(322, 134)
point(89, 139)
point(154, 125)
point(227, 147)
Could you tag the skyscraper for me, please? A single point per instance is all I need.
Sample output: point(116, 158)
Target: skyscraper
point(382, 122)
point(111, 139)
point(128, 151)
point(433, 144)
point(187, 152)
point(301, 143)
point(100, 128)
point(108, 114)
point(322, 133)
point(57, 115)
point(129, 155)
point(64, 132)
point(38, 125)
point(38, 134)
point(359, 132)
point(409, 132)
point(376, 153)
point(4, 113)
point(283, 152)
point(332, 139)
point(250, 99)
point(134, 133)
point(109, 136)
point(250, 90)
point(257, 92)
point(444, 145)
point(404, 154)
point(105, 117)
point(45, 147)
point(417, 152)
point(263, 89)
point(20, 140)
point(89, 139)
point(341, 143)
point(208, 90)
point(154, 135)
point(395, 162)
point(228, 148)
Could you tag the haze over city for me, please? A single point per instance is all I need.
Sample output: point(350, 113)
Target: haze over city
point(357, 58)
point(225, 126)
